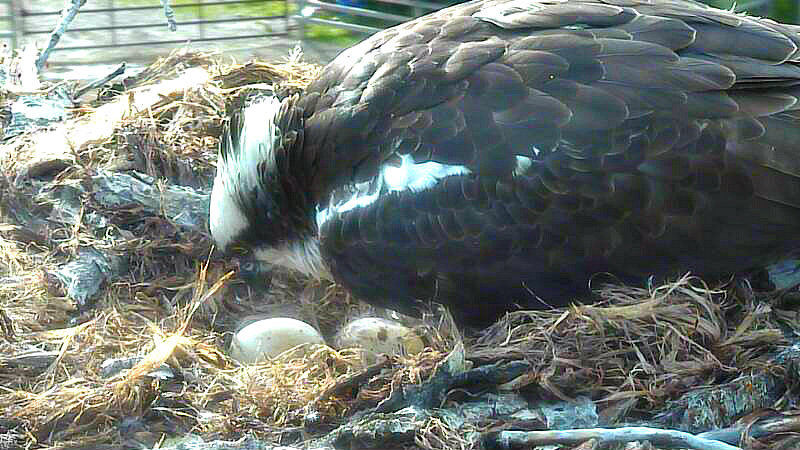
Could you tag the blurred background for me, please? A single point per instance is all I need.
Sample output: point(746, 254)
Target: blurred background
point(136, 31)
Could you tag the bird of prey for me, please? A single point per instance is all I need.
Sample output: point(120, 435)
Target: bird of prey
point(497, 154)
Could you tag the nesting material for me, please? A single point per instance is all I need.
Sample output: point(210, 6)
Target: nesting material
point(374, 336)
point(178, 304)
point(268, 338)
point(57, 148)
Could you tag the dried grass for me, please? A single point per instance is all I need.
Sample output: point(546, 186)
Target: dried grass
point(168, 310)
point(636, 343)
point(438, 434)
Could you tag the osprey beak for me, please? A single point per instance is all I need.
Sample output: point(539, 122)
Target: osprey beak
point(257, 274)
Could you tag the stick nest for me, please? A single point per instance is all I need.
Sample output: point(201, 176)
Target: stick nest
point(169, 320)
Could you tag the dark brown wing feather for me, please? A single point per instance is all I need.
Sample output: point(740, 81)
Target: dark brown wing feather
point(664, 135)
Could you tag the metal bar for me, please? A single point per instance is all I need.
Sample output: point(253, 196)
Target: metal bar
point(113, 18)
point(201, 13)
point(358, 11)
point(787, 10)
point(174, 41)
point(301, 19)
point(415, 4)
point(160, 24)
point(744, 6)
point(349, 26)
point(21, 23)
point(140, 8)
point(14, 24)
point(286, 15)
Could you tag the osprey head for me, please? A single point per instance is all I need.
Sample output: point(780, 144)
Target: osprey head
point(257, 206)
point(245, 200)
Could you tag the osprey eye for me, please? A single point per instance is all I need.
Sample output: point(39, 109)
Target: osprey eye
point(256, 274)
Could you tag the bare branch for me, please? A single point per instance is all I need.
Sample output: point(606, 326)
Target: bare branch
point(119, 70)
point(169, 13)
point(664, 438)
point(67, 15)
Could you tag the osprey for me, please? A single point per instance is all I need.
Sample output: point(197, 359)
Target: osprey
point(500, 153)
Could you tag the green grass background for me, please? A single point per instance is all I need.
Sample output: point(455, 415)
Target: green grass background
point(781, 10)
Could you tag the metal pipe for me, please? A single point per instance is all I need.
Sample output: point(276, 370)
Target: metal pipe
point(358, 11)
point(113, 18)
point(174, 41)
point(160, 24)
point(349, 26)
point(415, 3)
point(139, 8)
point(301, 19)
point(12, 20)
point(201, 13)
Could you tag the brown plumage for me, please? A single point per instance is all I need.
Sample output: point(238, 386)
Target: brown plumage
point(656, 136)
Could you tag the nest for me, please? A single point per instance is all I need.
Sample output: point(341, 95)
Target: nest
point(145, 356)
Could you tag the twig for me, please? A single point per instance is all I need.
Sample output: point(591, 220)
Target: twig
point(17, 90)
point(451, 373)
point(100, 81)
point(35, 360)
point(508, 440)
point(350, 382)
point(169, 13)
point(246, 443)
point(6, 326)
point(58, 146)
point(763, 427)
point(67, 15)
point(702, 409)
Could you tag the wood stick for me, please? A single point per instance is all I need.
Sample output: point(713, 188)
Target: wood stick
point(664, 438)
point(169, 13)
point(57, 148)
point(67, 15)
point(119, 70)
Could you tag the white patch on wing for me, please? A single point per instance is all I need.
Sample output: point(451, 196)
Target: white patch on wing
point(409, 176)
point(417, 177)
point(360, 195)
point(302, 256)
point(523, 164)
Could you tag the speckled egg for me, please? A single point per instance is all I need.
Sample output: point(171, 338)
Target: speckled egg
point(376, 336)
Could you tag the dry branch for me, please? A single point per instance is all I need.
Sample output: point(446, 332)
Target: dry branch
point(712, 407)
point(511, 440)
point(67, 15)
point(58, 148)
point(763, 425)
point(119, 70)
point(242, 444)
point(181, 205)
point(169, 14)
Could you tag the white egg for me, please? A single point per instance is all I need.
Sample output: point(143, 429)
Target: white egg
point(376, 336)
point(269, 338)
